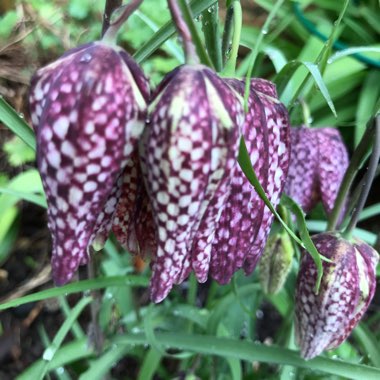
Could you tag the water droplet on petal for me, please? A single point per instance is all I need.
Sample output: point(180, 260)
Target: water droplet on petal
point(86, 58)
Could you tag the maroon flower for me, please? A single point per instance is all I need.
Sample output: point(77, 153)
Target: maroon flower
point(318, 162)
point(88, 111)
point(191, 149)
point(245, 221)
point(348, 284)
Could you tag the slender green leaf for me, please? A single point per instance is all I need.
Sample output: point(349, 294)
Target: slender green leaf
point(320, 226)
point(75, 287)
point(283, 77)
point(16, 123)
point(50, 351)
point(150, 364)
point(68, 353)
point(370, 212)
point(246, 166)
point(37, 199)
point(243, 350)
point(304, 233)
point(100, 366)
point(368, 343)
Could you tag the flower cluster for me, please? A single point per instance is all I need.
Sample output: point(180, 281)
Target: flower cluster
point(173, 190)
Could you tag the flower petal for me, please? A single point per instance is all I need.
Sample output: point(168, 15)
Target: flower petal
point(279, 151)
point(88, 127)
point(242, 213)
point(332, 164)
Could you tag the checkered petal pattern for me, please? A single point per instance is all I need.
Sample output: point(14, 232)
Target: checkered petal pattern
point(318, 162)
point(325, 320)
point(88, 110)
point(191, 150)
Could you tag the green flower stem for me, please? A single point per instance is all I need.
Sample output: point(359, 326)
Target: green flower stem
point(354, 166)
point(96, 335)
point(109, 8)
point(369, 177)
point(255, 52)
point(243, 350)
point(200, 52)
point(227, 32)
point(111, 33)
point(229, 69)
point(184, 31)
point(355, 194)
point(211, 32)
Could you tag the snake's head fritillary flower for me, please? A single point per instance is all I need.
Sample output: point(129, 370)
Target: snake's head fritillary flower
point(245, 221)
point(191, 152)
point(88, 110)
point(318, 162)
point(324, 320)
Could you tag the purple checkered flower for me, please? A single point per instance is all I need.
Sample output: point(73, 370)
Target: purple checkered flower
point(245, 221)
point(325, 320)
point(318, 162)
point(88, 110)
point(191, 149)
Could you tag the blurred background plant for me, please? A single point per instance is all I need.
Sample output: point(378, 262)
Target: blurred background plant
point(143, 341)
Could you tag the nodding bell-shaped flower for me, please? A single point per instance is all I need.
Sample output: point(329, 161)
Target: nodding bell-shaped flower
point(245, 221)
point(324, 320)
point(88, 109)
point(191, 149)
point(318, 162)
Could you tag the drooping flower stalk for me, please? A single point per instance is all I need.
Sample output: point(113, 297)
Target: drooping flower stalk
point(88, 111)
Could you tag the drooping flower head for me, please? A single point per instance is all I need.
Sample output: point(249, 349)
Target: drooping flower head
point(191, 149)
point(245, 221)
point(324, 320)
point(318, 162)
point(88, 111)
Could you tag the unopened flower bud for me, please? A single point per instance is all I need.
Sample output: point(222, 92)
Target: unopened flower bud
point(276, 262)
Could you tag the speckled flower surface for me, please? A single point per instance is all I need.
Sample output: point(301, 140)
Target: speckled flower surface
point(88, 111)
point(318, 162)
point(245, 221)
point(191, 149)
point(348, 284)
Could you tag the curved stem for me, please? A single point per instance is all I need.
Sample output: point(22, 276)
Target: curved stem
point(229, 70)
point(109, 8)
point(127, 10)
point(184, 31)
point(369, 177)
point(355, 164)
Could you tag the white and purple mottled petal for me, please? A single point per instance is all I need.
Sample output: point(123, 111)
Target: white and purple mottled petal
point(332, 165)
point(186, 156)
point(242, 213)
point(324, 321)
point(88, 120)
point(301, 183)
point(279, 151)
